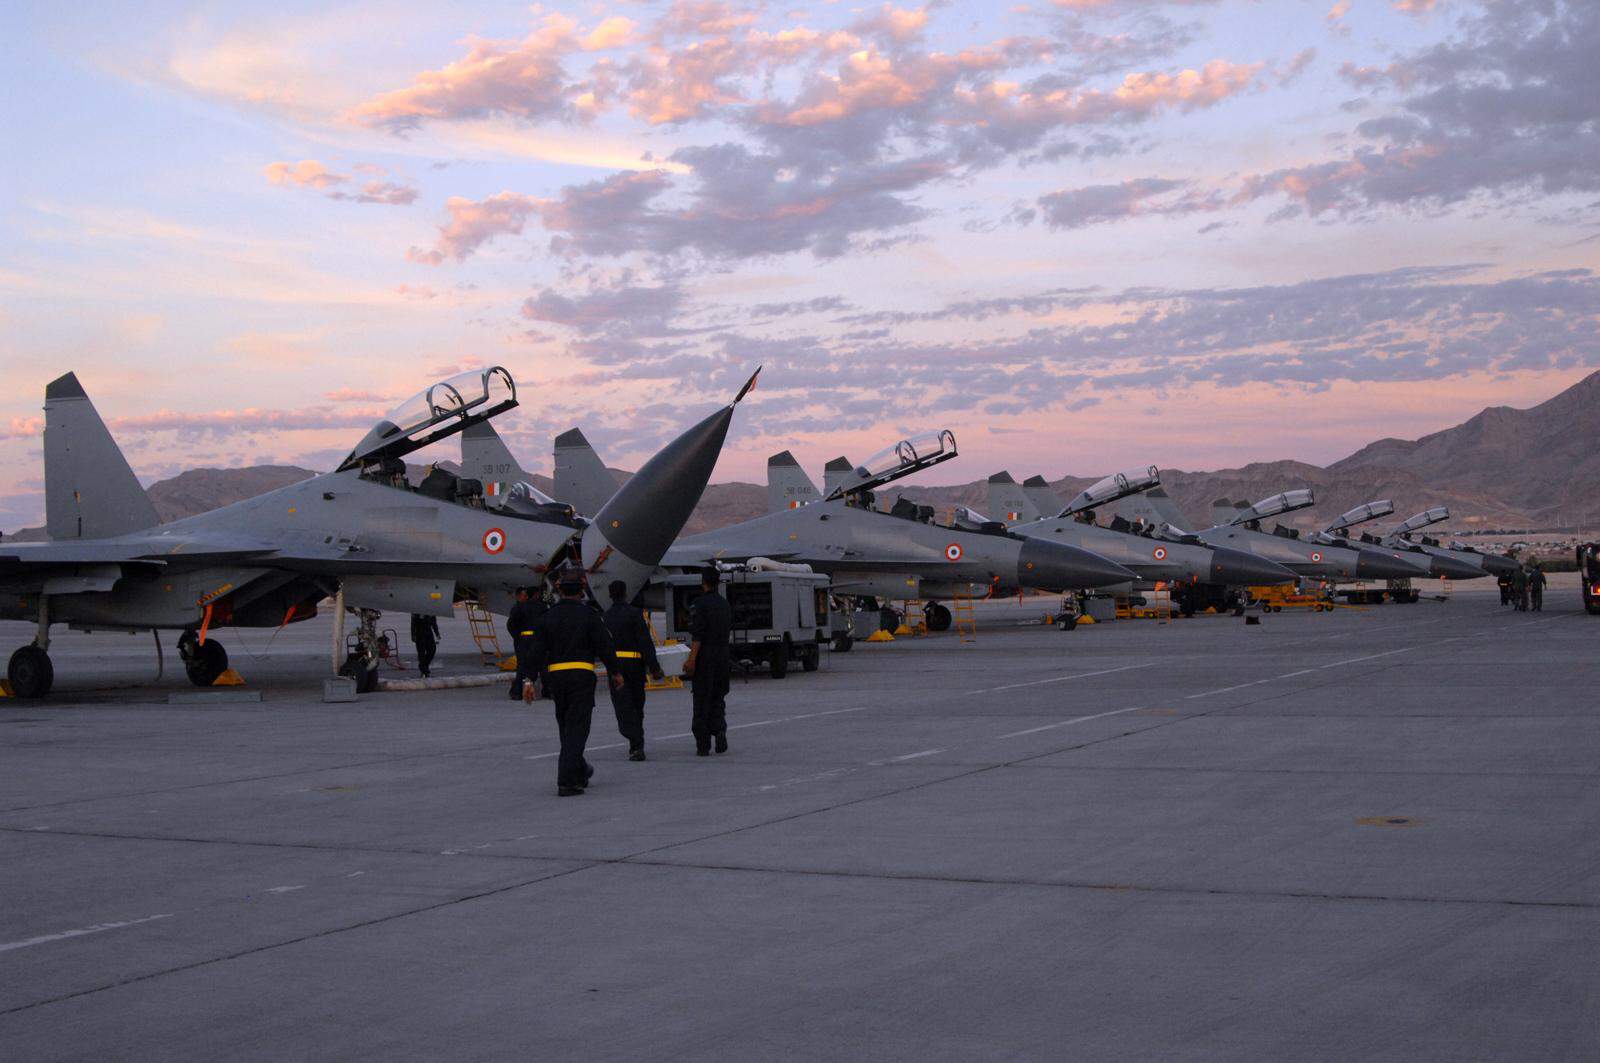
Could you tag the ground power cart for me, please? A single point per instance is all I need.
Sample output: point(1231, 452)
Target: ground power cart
point(779, 617)
point(1589, 577)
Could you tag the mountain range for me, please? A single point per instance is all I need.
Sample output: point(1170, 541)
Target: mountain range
point(1503, 468)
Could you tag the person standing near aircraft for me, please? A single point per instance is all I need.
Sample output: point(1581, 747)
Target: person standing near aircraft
point(708, 666)
point(1519, 589)
point(636, 653)
point(1536, 582)
point(425, 636)
point(530, 606)
point(565, 643)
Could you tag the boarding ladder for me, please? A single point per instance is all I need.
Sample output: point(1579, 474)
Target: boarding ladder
point(966, 617)
point(484, 635)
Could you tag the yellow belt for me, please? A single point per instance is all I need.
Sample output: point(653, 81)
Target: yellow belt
point(630, 653)
point(569, 666)
point(521, 633)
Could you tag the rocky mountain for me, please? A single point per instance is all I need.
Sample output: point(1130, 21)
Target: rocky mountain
point(1504, 468)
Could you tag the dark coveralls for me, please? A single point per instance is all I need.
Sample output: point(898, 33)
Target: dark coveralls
point(1519, 590)
point(1536, 582)
point(520, 627)
point(636, 654)
point(710, 624)
point(566, 641)
point(425, 635)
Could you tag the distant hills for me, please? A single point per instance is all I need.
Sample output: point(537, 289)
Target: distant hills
point(1503, 468)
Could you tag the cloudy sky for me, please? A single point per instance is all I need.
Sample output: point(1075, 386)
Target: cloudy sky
point(1084, 234)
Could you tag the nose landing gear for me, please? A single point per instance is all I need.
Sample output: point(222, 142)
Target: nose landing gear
point(30, 672)
point(202, 662)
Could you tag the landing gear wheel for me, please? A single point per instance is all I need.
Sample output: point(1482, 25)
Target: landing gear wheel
point(842, 643)
point(205, 663)
point(30, 672)
point(356, 667)
point(811, 657)
point(1066, 622)
point(780, 658)
point(888, 619)
point(937, 617)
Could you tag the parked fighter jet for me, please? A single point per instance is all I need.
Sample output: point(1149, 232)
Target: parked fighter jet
point(360, 534)
point(1338, 536)
point(902, 554)
point(1442, 562)
point(1131, 545)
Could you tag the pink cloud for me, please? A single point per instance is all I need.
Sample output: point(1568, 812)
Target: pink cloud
point(23, 428)
point(473, 223)
point(309, 173)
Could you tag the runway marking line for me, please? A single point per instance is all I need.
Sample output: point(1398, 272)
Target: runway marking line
point(1069, 723)
point(97, 928)
point(914, 756)
point(1059, 679)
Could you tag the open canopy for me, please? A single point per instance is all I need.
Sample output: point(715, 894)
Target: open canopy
point(1286, 502)
point(436, 413)
point(1117, 485)
point(1361, 514)
point(904, 458)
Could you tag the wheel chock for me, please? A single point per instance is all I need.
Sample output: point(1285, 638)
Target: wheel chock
point(229, 678)
point(5, 689)
point(880, 636)
point(671, 682)
point(902, 631)
point(508, 664)
point(1086, 619)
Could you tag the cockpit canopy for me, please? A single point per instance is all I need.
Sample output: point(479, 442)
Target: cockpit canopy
point(1117, 485)
point(434, 414)
point(904, 458)
point(1361, 514)
point(1286, 502)
point(1423, 520)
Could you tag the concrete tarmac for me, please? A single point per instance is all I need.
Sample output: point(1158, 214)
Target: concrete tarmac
point(1364, 835)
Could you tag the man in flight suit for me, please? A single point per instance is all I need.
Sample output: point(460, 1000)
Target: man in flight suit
point(708, 666)
point(565, 642)
point(530, 607)
point(425, 635)
point(636, 653)
point(1536, 582)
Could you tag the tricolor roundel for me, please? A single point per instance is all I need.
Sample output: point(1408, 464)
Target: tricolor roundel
point(952, 552)
point(494, 541)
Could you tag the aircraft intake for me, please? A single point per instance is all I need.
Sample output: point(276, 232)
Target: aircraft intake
point(1049, 566)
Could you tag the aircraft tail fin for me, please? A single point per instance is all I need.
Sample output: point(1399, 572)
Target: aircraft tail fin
point(1044, 499)
point(1224, 511)
point(835, 473)
point(1155, 506)
point(582, 479)
point(90, 492)
point(788, 487)
point(1008, 502)
point(485, 456)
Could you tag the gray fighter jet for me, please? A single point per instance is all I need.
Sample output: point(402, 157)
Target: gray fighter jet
point(1132, 545)
point(1442, 562)
point(1338, 535)
point(902, 554)
point(360, 534)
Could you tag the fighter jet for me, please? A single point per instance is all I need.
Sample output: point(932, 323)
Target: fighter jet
point(902, 554)
point(1380, 555)
point(1442, 562)
point(359, 534)
point(1132, 545)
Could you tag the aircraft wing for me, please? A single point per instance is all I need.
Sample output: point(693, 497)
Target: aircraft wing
point(163, 550)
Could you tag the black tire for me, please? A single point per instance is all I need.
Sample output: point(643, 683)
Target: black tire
point(888, 619)
point(30, 672)
point(779, 661)
point(357, 668)
point(811, 657)
point(208, 661)
point(937, 617)
point(842, 642)
point(1066, 622)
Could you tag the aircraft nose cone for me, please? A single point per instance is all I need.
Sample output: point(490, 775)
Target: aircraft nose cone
point(1047, 566)
point(1380, 564)
point(646, 514)
point(1497, 565)
point(1238, 568)
point(1456, 568)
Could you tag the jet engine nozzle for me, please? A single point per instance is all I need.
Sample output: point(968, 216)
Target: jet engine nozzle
point(1050, 566)
point(1238, 568)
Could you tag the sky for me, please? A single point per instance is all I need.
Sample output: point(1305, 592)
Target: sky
point(1083, 234)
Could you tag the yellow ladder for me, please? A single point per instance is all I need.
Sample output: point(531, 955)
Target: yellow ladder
point(966, 617)
point(666, 682)
point(914, 619)
point(484, 635)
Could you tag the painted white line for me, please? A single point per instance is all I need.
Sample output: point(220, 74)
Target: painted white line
point(1291, 675)
point(98, 928)
point(1375, 656)
point(1059, 679)
point(283, 889)
point(1069, 723)
point(731, 727)
point(1224, 690)
point(914, 756)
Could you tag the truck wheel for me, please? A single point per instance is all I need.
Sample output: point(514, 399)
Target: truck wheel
point(30, 672)
point(208, 661)
point(811, 657)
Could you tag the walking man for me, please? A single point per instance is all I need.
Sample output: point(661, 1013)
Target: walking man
point(1519, 589)
point(564, 644)
point(425, 636)
point(1536, 582)
point(710, 624)
point(519, 625)
point(636, 653)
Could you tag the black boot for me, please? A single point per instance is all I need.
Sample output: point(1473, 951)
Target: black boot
point(722, 742)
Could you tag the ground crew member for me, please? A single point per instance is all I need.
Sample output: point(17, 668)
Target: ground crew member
point(425, 636)
point(1536, 582)
point(1505, 590)
point(1519, 589)
point(636, 653)
point(708, 666)
point(519, 625)
point(564, 645)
